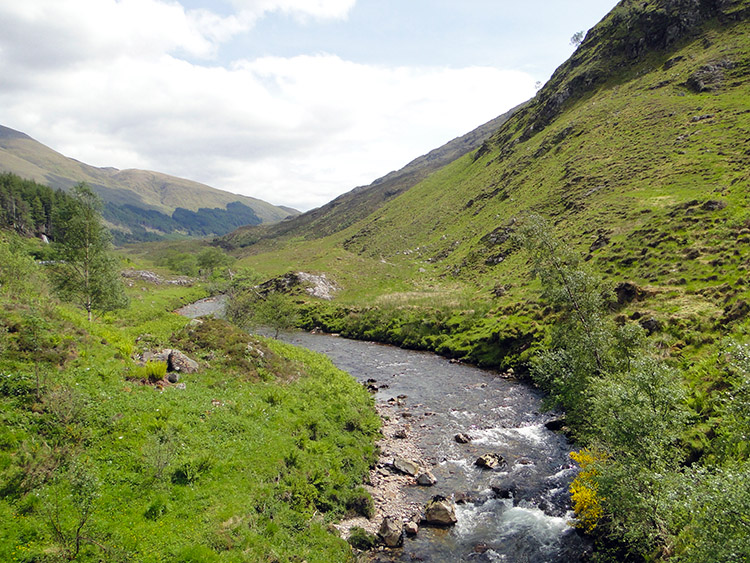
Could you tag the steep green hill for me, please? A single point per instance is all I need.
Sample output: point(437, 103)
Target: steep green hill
point(637, 149)
point(138, 202)
point(637, 152)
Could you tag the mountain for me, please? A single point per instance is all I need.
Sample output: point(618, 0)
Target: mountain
point(138, 202)
point(360, 202)
point(638, 152)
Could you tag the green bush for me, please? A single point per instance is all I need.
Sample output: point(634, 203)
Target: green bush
point(361, 539)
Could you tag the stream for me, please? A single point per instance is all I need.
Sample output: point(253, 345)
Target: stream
point(438, 399)
point(517, 513)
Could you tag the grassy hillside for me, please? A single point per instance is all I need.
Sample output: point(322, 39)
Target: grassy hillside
point(102, 459)
point(643, 170)
point(637, 152)
point(137, 200)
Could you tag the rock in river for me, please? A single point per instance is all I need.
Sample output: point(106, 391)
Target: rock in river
point(406, 466)
point(391, 531)
point(490, 461)
point(440, 511)
point(426, 479)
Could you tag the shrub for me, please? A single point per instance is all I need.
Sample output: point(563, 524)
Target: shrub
point(360, 538)
point(584, 490)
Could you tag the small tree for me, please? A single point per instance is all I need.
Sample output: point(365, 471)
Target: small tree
point(252, 310)
point(85, 271)
point(212, 258)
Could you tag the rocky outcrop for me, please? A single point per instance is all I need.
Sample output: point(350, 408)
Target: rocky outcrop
point(315, 285)
point(151, 277)
point(180, 363)
point(177, 362)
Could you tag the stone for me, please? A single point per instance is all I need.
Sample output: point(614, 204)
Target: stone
point(462, 438)
point(426, 479)
point(406, 466)
point(401, 434)
point(440, 511)
point(490, 461)
point(173, 377)
point(177, 361)
point(411, 528)
point(391, 531)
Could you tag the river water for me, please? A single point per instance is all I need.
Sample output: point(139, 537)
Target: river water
point(438, 399)
point(518, 513)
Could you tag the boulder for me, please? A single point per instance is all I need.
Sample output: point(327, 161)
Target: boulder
point(406, 466)
point(391, 531)
point(440, 511)
point(490, 461)
point(426, 479)
point(177, 361)
point(462, 438)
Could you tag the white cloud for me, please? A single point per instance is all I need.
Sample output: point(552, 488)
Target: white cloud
point(319, 9)
point(102, 81)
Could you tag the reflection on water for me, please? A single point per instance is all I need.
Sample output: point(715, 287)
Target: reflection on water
point(530, 523)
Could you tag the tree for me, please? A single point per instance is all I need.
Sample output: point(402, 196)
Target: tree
point(252, 309)
point(212, 258)
point(577, 38)
point(85, 271)
point(620, 400)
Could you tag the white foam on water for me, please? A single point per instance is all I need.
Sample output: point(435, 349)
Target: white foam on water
point(461, 414)
point(500, 436)
point(547, 530)
point(562, 473)
point(490, 436)
point(533, 433)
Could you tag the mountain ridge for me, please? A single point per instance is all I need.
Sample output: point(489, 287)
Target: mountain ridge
point(126, 190)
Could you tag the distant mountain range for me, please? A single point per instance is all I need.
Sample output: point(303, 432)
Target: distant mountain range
point(139, 204)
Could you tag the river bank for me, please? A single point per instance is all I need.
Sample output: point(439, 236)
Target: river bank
point(387, 485)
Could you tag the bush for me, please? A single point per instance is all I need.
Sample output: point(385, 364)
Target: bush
point(360, 538)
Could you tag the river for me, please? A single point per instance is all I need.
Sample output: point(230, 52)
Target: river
point(518, 513)
point(438, 399)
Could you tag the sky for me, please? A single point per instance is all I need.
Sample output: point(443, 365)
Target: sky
point(291, 101)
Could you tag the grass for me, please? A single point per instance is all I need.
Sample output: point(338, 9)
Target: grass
point(624, 172)
point(250, 459)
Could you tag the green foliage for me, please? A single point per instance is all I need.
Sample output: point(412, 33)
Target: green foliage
point(151, 371)
point(252, 310)
point(27, 207)
point(255, 456)
point(20, 279)
point(618, 396)
point(361, 539)
point(212, 258)
point(715, 507)
point(68, 504)
point(85, 272)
